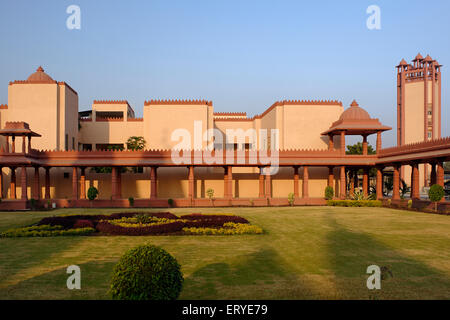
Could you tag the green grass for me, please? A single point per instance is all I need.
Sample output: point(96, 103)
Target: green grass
point(306, 253)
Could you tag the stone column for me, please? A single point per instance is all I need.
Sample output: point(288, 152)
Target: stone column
point(261, 183)
point(365, 151)
point(305, 190)
point(36, 194)
point(378, 141)
point(330, 142)
point(153, 183)
point(433, 174)
point(23, 183)
point(114, 183)
point(331, 177)
point(23, 144)
point(343, 142)
point(29, 144)
point(379, 183)
point(13, 183)
point(366, 182)
point(47, 183)
point(119, 183)
point(268, 185)
point(352, 182)
point(1, 182)
point(342, 183)
point(83, 183)
point(296, 178)
point(440, 173)
point(191, 182)
point(230, 182)
point(396, 183)
point(415, 185)
point(75, 183)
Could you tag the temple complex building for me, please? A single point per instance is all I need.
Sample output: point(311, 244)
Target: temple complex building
point(51, 150)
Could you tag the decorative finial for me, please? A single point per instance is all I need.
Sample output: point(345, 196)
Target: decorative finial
point(354, 104)
point(40, 69)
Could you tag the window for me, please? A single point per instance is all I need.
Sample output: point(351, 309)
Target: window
point(66, 175)
point(87, 147)
point(66, 146)
point(73, 143)
point(429, 135)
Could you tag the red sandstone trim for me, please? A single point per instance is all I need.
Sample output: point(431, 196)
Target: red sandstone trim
point(109, 119)
point(177, 102)
point(220, 114)
point(232, 119)
point(3, 106)
point(111, 102)
point(135, 119)
point(441, 143)
point(32, 82)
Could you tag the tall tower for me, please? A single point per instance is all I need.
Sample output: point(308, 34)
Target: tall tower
point(418, 104)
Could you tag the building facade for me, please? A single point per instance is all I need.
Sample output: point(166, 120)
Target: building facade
point(309, 136)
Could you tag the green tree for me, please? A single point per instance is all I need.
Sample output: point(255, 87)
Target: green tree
point(357, 148)
point(436, 193)
point(136, 143)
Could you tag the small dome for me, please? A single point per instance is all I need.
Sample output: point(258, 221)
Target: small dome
point(39, 75)
point(428, 58)
point(403, 63)
point(418, 57)
point(355, 112)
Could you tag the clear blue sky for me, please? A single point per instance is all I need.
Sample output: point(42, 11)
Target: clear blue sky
point(242, 55)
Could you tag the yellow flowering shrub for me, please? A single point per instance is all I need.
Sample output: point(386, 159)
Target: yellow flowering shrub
point(229, 228)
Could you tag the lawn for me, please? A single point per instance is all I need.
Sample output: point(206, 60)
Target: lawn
point(305, 253)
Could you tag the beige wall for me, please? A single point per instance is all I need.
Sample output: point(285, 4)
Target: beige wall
point(161, 120)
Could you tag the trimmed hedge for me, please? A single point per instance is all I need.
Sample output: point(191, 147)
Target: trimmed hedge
point(108, 228)
point(228, 228)
point(354, 203)
point(146, 272)
point(45, 231)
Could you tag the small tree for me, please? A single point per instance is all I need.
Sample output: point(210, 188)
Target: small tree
point(136, 143)
point(329, 193)
point(210, 194)
point(131, 201)
point(92, 193)
point(291, 199)
point(404, 189)
point(436, 193)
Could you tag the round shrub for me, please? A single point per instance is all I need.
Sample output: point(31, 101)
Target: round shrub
point(329, 193)
point(146, 272)
point(92, 193)
point(436, 193)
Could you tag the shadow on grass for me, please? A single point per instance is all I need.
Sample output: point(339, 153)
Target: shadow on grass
point(260, 275)
point(350, 253)
point(95, 281)
point(20, 255)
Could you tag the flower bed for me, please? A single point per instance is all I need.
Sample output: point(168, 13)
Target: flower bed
point(137, 224)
